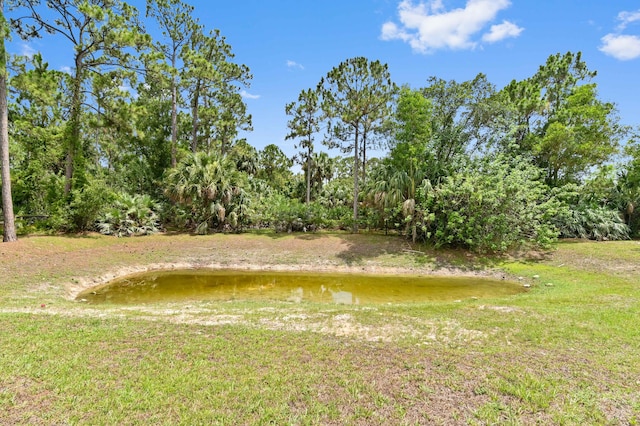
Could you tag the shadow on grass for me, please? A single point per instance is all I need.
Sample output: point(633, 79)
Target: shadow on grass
point(307, 236)
point(360, 247)
point(72, 236)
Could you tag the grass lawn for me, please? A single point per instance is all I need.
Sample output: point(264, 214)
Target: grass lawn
point(565, 352)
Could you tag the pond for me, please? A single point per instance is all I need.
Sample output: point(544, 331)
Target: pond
point(295, 287)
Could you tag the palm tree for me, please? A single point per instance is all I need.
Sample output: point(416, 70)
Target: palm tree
point(207, 184)
point(322, 171)
point(393, 188)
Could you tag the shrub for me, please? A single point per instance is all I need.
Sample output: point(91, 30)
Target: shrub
point(493, 206)
point(584, 215)
point(291, 215)
point(210, 189)
point(594, 223)
point(86, 205)
point(130, 215)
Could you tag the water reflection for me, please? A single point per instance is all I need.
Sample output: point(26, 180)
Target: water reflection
point(296, 295)
point(343, 298)
point(347, 289)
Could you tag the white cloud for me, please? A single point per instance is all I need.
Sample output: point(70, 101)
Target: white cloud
point(620, 46)
point(294, 64)
point(500, 32)
point(427, 26)
point(27, 51)
point(627, 18)
point(65, 69)
point(247, 95)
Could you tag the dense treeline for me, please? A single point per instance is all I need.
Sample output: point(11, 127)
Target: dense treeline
point(142, 135)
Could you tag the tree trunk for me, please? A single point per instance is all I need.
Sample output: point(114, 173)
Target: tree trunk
point(308, 173)
point(73, 135)
point(364, 157)
point(174, 115)
point(356, 172)
point(7, 201)
point(194, 120)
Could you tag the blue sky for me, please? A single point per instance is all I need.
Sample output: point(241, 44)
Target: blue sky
point(290, 44)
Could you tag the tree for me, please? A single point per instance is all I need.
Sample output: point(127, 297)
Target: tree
point(147, 155)
point(626, 196)
point(355, 96)
point(209, 186)
point(455, 122)
point(213, 81)
point(244, 156)
point(7, 200)
point(322, 170)
point(178, 27)
point(581, 134)
point(305, 122)
point(101, 33)
point(37, 110)
point(224, 118)
point(274, 166)
point(412, 130)
point(559, 121)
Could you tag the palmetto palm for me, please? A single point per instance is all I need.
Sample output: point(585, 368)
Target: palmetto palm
point(208, 184)
point(392, 188)
point(130, 215)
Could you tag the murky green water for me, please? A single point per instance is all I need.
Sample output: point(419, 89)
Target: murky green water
point(229, 285)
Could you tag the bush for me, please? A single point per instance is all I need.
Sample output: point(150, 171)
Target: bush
point(130, 215)
point(594, 223)
point(86, 205)
point(582, 215)
point(210, 190)
point(493, 206)
point(291, 215)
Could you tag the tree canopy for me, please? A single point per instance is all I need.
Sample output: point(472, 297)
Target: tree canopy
point(143, 134)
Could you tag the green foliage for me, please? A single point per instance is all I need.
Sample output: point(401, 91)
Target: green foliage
point(336, 193)
point(274, 166)
point(412, 129)
point(594, 223)
point(464, 167)
point(392, 191)
point(356, 99)
point(304, 123)
point(495, 205)
point(291, 215)
point(627, 187)
point(130, 215)
point(36, 116)
point(558, 120)
point(86, 205)
point(214, 82)
point(210, 189)
point(585, 216)
point(455, 119)
point(244, 156)
point(102, 34)
point(321, 172)
point(580, 135)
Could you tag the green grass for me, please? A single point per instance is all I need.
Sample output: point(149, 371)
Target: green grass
point(565, 352)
